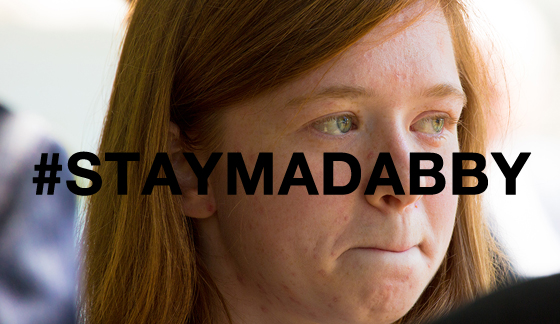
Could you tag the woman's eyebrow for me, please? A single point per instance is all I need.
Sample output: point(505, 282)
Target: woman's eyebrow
point(440, 90)
point(337, 91)
point(445, 90)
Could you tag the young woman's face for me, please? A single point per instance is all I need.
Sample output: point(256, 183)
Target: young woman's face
point(355, 258)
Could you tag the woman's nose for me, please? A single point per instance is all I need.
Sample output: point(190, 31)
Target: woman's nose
point(392, 193)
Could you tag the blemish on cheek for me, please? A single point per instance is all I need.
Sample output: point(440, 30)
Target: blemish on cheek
point(341, 220)
point(335, 299)
point(210, 207)
point(370, 156)
point(240, 279)
point(322, 273)
point(264, 309)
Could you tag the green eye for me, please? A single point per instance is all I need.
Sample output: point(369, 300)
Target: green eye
point(344, 123)
point(437, 124)
point(334, 125)
point(430, 125)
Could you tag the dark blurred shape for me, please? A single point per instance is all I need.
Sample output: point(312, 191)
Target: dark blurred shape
point(533, 301)
point(37, 243)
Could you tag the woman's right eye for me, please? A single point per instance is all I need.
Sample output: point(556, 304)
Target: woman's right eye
point(335, 125)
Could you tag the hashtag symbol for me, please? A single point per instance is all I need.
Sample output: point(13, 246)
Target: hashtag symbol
point(52, 179)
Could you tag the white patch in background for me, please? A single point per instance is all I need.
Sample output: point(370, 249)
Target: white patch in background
point(58, 60)
point(62, 14)
point(527, 223)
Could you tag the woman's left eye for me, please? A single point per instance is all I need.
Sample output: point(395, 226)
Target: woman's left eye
point(335, 125)
point(432, 125)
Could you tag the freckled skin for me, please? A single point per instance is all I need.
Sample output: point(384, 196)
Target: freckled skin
point(348, 258)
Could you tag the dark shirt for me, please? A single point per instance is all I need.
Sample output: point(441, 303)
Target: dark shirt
point(534, 301)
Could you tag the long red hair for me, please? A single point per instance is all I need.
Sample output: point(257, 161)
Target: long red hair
point(186, 61)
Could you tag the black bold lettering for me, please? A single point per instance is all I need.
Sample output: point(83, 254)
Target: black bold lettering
point(416, 173)
point(328, 170)
point(384, 160)
point(236, 163)
point(201, 173)
point(511, 173)
point(459, 173)
point(76, 170)
point(122, 168)
point(161, 161)
point(298, 160)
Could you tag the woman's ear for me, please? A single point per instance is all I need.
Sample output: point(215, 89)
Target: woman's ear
point(193, 204)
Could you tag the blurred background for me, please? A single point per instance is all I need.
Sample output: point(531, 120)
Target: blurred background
point(58, 59)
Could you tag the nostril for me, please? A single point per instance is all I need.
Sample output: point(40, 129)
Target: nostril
point(389, 200)
point(400, 203)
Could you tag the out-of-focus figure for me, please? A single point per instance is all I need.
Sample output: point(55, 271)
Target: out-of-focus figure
point(37, 243)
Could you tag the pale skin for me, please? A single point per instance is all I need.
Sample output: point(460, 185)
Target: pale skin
point(349, 258)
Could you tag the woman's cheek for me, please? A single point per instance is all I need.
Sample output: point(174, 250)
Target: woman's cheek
point(441, 211)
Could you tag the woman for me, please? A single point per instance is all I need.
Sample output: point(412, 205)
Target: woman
point(360, 77)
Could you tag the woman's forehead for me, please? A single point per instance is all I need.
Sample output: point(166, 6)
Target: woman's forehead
point(412, 57)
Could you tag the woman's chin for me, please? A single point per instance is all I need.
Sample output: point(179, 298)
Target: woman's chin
point(378, 295)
